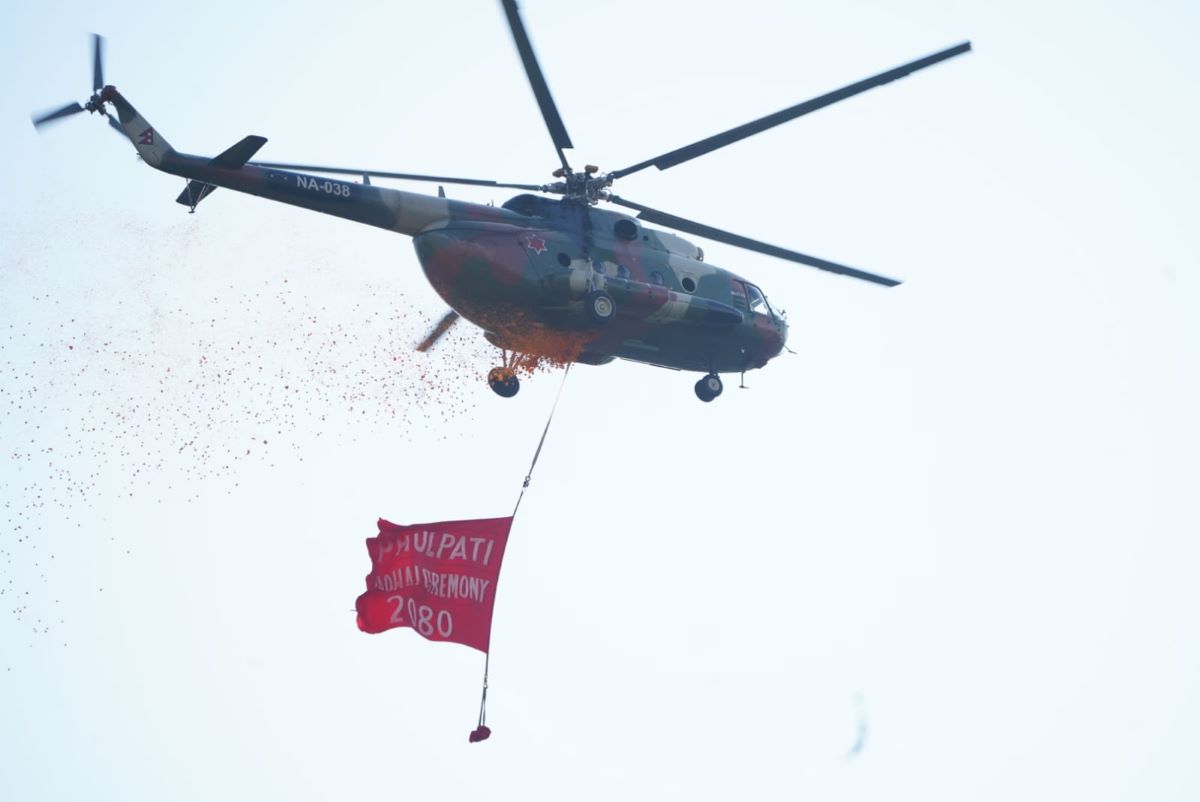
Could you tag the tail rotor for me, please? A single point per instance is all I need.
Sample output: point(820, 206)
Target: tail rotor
point(94, 104)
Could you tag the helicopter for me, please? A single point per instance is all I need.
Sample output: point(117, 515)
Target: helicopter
point(549, 275)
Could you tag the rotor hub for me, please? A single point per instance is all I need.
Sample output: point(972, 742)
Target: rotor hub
point(95, 104)
point(587, 186)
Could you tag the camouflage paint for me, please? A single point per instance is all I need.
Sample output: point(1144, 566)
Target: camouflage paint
point(532, 260)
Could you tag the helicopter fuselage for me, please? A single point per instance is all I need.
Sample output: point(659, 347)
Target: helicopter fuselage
point(543, 258)
point(527, 267)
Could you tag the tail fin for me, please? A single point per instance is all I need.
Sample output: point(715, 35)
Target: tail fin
point(150, 145)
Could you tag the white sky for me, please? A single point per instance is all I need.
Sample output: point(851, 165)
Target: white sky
point(971, 499)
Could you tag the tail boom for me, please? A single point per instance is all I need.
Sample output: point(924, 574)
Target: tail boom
point(405, 212)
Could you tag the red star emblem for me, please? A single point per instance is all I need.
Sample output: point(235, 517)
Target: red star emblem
point(535, 243)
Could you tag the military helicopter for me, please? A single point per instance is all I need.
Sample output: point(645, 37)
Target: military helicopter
point(544, 277)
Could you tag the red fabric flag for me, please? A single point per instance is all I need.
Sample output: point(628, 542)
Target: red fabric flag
point(438, 579)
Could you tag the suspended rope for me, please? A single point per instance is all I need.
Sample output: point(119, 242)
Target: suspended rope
point(483, 732)
point(542, 442)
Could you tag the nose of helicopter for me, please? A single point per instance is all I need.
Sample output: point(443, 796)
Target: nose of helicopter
point(772, 336)
point(777, 338)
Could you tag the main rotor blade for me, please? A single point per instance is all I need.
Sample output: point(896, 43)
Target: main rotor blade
point(435, 334)
point(689, 152)
point(708, 232)
point(97, 62)
point(478, 182)
point(554, 123)
point(57, 114)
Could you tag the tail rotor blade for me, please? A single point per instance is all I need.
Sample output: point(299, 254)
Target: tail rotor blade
point(97, 62)
point(57, 114)
point(435, 334)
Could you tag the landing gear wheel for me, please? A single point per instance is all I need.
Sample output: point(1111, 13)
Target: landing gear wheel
point(709, 387)
point(503, 382)
point(600, 306)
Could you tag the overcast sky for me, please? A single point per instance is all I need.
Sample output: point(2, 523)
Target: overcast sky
point(964, 512)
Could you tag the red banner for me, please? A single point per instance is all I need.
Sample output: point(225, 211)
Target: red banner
point(438, 579)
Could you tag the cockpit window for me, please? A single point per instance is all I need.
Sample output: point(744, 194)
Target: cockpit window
point(758, 303)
